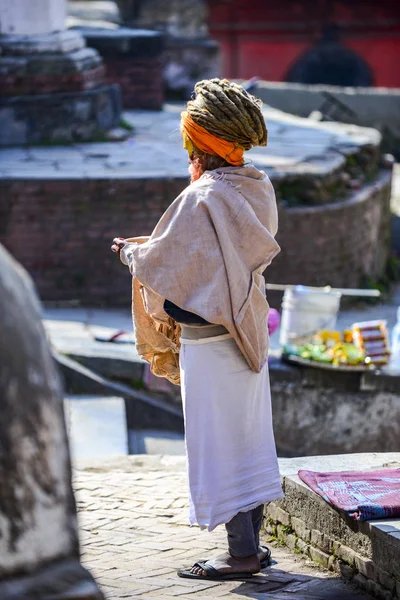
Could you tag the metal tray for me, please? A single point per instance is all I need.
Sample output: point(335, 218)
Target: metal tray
point(307, 362)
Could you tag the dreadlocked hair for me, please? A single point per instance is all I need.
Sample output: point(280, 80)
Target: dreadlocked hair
point(226, 110)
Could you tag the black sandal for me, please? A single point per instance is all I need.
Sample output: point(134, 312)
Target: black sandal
point(212, 574)
point(265, 562)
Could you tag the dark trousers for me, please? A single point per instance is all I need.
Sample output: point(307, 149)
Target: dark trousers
point(244, 532)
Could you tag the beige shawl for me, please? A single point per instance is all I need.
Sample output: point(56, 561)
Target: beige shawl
point(157, 342)
point(207, 255)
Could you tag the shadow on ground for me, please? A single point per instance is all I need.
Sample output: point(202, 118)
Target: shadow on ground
point(280, 585)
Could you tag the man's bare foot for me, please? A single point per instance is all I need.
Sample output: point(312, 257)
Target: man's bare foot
point(225, 563)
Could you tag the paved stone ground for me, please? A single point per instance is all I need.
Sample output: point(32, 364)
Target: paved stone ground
point(135, 534)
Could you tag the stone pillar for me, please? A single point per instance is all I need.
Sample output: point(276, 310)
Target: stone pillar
point(36, 17)
point(39, 547)
point(51, 84)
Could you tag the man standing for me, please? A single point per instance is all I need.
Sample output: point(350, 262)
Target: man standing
point(203, 267)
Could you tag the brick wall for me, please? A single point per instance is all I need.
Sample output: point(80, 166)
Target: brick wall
point(133, 59)
point(61, 231)
point(140, 79)
point(335, 244)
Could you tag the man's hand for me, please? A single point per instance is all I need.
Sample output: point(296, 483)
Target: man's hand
point(118, 244)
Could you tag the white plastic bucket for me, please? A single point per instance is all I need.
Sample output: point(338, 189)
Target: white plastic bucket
point(305, 312)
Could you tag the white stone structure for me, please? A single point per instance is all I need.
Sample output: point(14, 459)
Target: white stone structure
point(31, 17)
point(39, 59)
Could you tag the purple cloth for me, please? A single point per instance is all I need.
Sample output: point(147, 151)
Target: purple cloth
point(274, 320)
point(363, 495)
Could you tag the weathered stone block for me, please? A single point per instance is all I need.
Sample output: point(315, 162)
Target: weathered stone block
point(386, 580)
point(377, 591)
point(281, 532)
point(360, 581)
point(59, 117)
point(27, 68)
point(84, 59)
point(301, 529)
point(124, 42)
point(290, 540)
point(278, 514)
point(334, 564)
point(321, 558)
point(321, 541)
point(344, 553)
point(270, 529)
point(57, 42)
point(366, 567)
point(345, 570)
point(303, 546)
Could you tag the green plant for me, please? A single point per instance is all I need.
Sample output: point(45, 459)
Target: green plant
point(280, 542)
point(286, 529)
point(124, 124)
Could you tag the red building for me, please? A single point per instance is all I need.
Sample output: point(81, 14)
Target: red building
point(352, 42)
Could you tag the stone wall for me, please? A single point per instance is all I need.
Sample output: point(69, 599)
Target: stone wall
point(180, 18)
point(190, 55)
point(52, 89)
point(134, 60)
point(335, 244)
point(328, 553)
point(188, 61)
point(369, 107)
point(70, 225)
point(59, 118)
point(318, 411)
point(364, 552)
point(140, 80)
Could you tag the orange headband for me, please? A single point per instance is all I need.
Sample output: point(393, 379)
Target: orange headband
point(209, 143)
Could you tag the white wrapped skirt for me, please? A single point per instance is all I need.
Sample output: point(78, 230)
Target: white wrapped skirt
point(232, 462)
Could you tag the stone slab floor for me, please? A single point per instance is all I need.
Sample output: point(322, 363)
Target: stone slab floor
point(133, 518)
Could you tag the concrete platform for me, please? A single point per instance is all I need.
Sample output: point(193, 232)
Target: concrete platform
point(97, 428)
point(366, 552)
point(296, 146)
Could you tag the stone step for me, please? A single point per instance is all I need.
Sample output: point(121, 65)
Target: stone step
point(367, 552)
point(97, 428)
